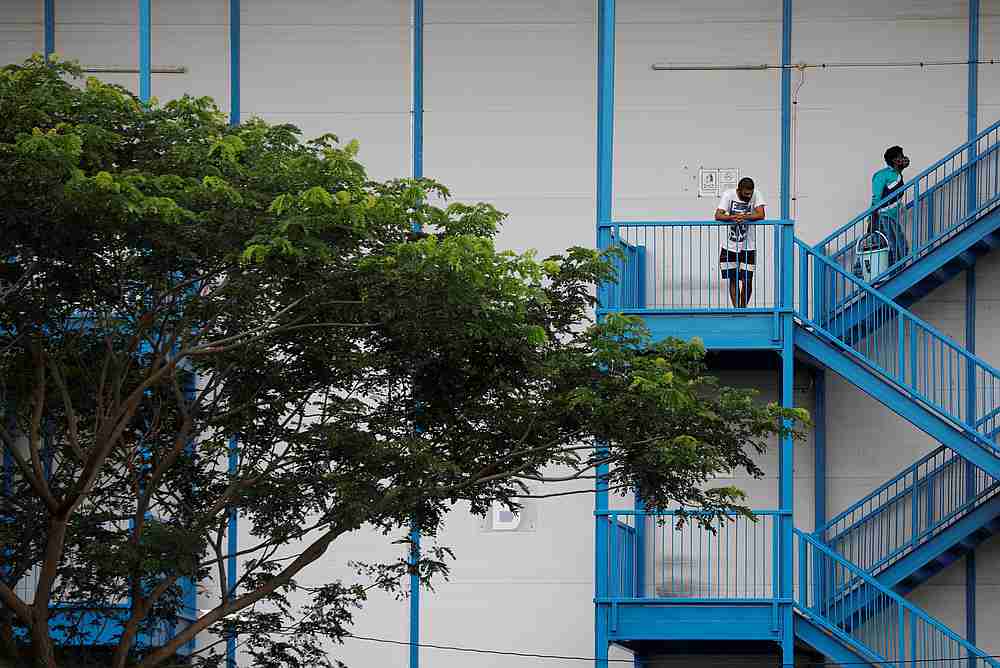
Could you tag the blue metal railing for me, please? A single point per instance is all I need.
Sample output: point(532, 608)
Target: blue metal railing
point(888, 629)
point(676, 266)
point(904, 350)
point(660, 555)
point(901, 514)
point(934, 205)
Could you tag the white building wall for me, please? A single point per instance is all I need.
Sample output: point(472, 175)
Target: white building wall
point(510, 118)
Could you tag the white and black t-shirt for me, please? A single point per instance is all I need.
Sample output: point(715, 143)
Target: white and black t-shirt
point(740, 236)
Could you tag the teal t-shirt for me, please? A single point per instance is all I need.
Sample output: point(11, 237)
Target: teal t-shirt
point(884, 182)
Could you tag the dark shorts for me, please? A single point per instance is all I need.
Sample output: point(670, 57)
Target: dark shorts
point(737, 265)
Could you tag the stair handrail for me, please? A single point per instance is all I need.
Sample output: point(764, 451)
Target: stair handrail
point(899, 522)
point(814, 611)
point(911, 470)
point(820, 246)
point(863, 288)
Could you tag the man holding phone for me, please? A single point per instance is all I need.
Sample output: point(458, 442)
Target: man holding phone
point(738, 255)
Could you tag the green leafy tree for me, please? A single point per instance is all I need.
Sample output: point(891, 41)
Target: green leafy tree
point(168, 282)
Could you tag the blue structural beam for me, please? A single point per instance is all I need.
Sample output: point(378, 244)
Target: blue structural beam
point(925, 419)
point(973, 96)
point(418, 89)
point(232, 533)
point(418, 172)
point(605, 138)
point(145, 50)
point(719, 331)
point(786, 492)
point(232, 547)
point(49, 27)
point(970, 305)
point(234, 62)
point(837, 649)
point(786, 108)
point(696, 620)
point(819, 448)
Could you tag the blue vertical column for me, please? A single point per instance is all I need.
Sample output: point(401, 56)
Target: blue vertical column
point(232, 532)
point(973, 97)
point(145, 50)
point(786, 489)
point(970, 308)
point(234, 62)
point(786, 108)
point(819, 449)
point(418, 172)
point(49, 27)
point(786, 492)
point(605, 138)
point(970, 470)
point(232, 547)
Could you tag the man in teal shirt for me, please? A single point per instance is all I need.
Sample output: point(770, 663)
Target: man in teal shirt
point(885, 182)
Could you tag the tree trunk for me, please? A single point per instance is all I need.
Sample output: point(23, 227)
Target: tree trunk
point(8, 646)
point(42, 648)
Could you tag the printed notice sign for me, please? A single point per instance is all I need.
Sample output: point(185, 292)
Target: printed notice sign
point(728, 178)
point(708, 182)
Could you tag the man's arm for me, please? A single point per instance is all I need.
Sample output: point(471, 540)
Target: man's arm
point(878, 183)
point(756, 214)
point(724, 217)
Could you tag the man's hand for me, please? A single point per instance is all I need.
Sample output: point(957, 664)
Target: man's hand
point(738, 217)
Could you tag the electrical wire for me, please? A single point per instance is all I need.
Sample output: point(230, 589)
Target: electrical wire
point(474, 650)
point(667, 67)
point(726, 662)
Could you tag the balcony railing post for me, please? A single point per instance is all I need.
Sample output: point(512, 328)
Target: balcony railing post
point(640, 548)
point(901, 655)
point(603, 244)
point(787, 265)
point(803, 589)
point(803, 284)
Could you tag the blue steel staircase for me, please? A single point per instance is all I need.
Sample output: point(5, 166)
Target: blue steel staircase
point(851, 573)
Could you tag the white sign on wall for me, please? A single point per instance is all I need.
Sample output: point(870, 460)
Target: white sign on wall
point(708, 182)
point(713, 181)
point(728, 178)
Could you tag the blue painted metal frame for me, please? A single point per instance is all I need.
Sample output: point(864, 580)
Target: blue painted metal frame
point(931, 264)
point(605, 140)
point(905, 574)
point(830, 646)
point(970, 295)
point(918, 386)
point(656, 619)
point(418, 172)
point(232, 547)
point(145, 50)
point(786, 469)
point(49, 29)
point(786, 107)
point(864, 215)
point(819, 447)
point(646, 616)
point(235, 63)
point(232, 532)
point(912, 637)
point(892, 398)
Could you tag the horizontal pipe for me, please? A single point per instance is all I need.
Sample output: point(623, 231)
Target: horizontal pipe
point(113, 69)
point(667, 67)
